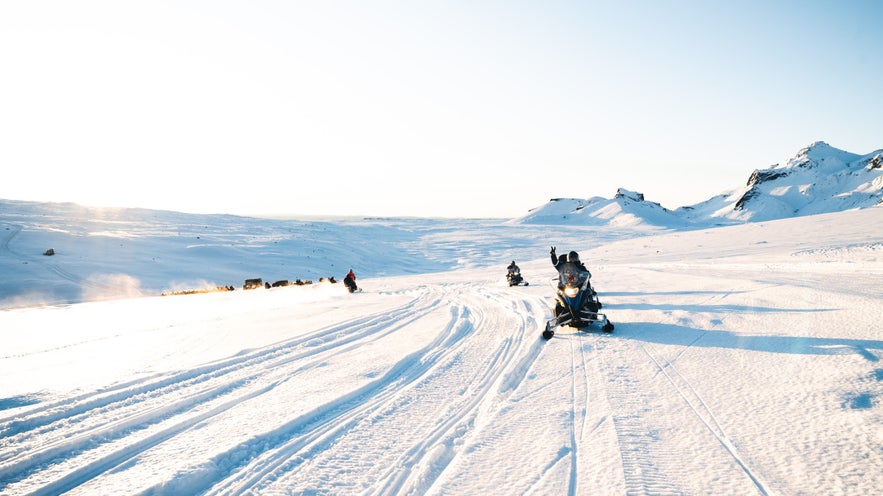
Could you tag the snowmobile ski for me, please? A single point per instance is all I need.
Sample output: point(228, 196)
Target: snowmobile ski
point(549, 331)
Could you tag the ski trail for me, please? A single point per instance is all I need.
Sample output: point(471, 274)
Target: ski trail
point(699, 407)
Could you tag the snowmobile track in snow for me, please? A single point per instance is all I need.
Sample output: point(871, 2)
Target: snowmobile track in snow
point(648, 466)
point(698, 406)
point(303, 436)
point(300, 449)
point(61, 445)
point(109, 427)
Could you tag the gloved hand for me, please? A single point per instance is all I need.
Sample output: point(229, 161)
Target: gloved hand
point(552, 251)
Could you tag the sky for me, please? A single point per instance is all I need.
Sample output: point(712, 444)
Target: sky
point(431, 109)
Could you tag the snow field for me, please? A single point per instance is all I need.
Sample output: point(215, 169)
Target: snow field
point(745, 360)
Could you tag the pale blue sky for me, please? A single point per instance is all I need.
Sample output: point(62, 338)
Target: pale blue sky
point(447, 108)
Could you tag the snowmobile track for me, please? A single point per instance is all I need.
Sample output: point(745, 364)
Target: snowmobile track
point(699, 407)
point(299, 438)
point(298, 455)
point(106, 428)
point(649, 465)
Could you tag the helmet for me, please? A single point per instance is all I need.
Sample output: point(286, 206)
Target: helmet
point(573, 257)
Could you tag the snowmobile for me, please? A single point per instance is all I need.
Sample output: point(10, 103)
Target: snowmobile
point(350, 284)
point(514, 278)
point(576, 303)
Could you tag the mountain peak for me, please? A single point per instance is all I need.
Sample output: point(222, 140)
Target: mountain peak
point(628, 194)
point(626, 209)
point(818, 179)
point(817, 147)
point(821, 154)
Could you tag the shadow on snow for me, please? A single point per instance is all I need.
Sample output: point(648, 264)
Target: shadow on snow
point(687, 336)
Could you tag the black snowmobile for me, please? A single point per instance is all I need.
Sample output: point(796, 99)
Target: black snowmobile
point(576, 303)
point(514, 278)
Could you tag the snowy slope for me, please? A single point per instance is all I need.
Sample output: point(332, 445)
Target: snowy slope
point(105, 253)
point(819, 179)
point(746, 360)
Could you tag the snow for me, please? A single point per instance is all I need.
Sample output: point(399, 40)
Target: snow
point(746, 359)
point(819, 179)
point(625, 210)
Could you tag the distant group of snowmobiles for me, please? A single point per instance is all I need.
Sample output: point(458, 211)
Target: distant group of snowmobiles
point(576, 302)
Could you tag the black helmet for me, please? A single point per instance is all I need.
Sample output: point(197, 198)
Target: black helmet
point(573, 257)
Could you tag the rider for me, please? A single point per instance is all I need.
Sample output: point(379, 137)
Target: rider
point(514, 274)
point(559, 261)
point(572, 257)
point(350, 281)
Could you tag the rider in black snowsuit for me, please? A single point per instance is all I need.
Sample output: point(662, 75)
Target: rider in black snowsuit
point(573, 257)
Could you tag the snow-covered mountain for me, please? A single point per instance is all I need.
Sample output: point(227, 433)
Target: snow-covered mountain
point(819, 179)
point(626, 209)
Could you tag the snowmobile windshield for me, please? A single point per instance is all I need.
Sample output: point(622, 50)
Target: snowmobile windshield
point(569, 274)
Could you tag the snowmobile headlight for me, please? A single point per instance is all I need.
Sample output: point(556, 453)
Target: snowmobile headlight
point(571, 292)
